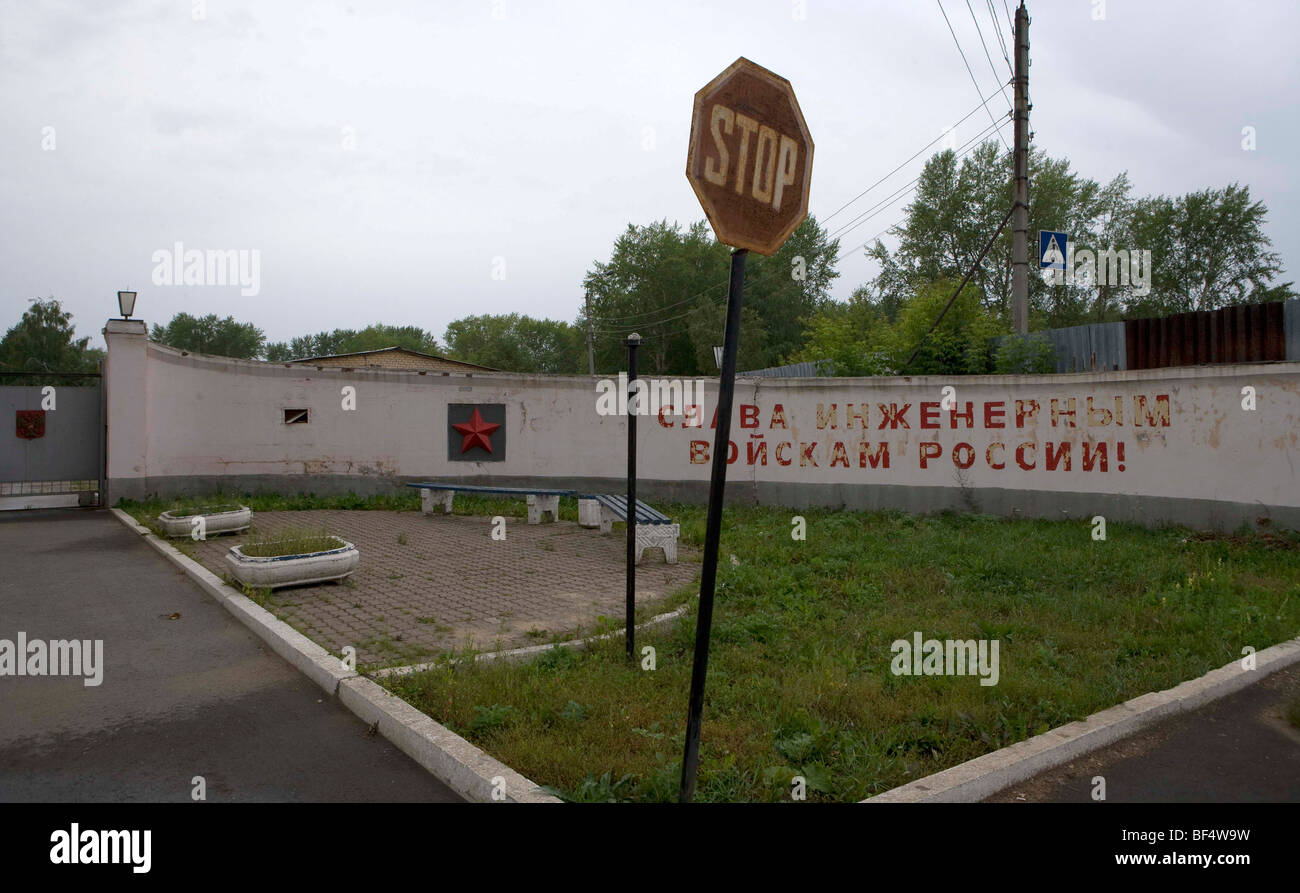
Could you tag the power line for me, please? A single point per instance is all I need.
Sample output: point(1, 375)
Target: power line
point(978, 92)
point(855, 222)
point(1011, 20)
point(638, 316)
point(963, 150)
point(635, 317)
point(611, 333)
point(997, 32)
point(909, 160)
point(867, 214)
point(609, 325)
point(896, 222)
point(659, 322)
point(979, 31)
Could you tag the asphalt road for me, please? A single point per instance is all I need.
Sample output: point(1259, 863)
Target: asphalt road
point(187, 690)
point(1239, 749)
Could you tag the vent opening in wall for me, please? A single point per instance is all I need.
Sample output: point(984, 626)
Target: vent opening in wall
point(295, 416)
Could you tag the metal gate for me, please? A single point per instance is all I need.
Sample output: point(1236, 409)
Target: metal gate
point(52, 440)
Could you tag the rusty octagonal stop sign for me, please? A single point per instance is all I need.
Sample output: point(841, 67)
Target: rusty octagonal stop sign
point(750, 158)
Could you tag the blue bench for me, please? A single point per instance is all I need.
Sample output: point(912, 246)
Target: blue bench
point(654, 529)
point(540, 502)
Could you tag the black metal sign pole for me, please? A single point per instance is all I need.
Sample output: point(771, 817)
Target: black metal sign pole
point(713, 525)
point(632, 341)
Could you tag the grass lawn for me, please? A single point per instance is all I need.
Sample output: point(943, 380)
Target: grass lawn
point(799, 676)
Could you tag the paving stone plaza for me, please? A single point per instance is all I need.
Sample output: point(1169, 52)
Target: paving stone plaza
point(429, 584)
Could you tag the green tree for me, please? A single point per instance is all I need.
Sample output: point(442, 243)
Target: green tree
point(959, 345)
point(848, 335)
point(1208, 247)
point(373, 337)
point(707, 327)
point(786, 289)
point(859, 338)
point(378, 336)
point(657, 276)
point(516, 343)
point(43, 340)
point(1023, 355)
point(669, 285)
point(958, 206)
point(319, 345)
point(211, 335)
point(1209, 250)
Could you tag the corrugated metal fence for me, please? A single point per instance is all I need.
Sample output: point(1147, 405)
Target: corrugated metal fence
point(1089, 348)
point(1249, 333)
point(794, 370)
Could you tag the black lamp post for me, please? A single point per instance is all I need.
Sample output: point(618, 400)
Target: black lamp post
point(632, 341)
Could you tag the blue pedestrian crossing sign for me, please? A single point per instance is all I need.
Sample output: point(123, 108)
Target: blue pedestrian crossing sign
point(1051, 250)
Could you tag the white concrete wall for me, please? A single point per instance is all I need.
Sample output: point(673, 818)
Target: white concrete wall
point(191, 420)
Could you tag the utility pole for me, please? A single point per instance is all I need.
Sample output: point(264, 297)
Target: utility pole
point(591, 350)
point(1020, 214)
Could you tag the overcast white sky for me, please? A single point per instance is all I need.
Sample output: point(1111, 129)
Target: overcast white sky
point(536, 130)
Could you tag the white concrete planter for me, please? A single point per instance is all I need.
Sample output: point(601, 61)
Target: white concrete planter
point(216, 519)
point(291, 570)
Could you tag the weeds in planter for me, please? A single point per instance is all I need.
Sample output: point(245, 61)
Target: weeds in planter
point(293, 541)
point(184, 508)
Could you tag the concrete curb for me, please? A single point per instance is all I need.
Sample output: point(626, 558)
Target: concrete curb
point(518, 655)
point(451, 759)
point(984, 776)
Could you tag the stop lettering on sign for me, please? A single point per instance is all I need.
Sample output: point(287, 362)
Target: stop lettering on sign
point(776, 156)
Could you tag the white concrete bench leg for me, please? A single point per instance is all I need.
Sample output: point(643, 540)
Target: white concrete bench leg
point(670, 546)
point(539, 506)
point(657, 536)
point(589, 513)
point(606, 519)
point(430, 498)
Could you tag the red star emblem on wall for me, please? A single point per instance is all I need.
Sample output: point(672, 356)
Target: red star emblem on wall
point(477, 432)
point(31, 423)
